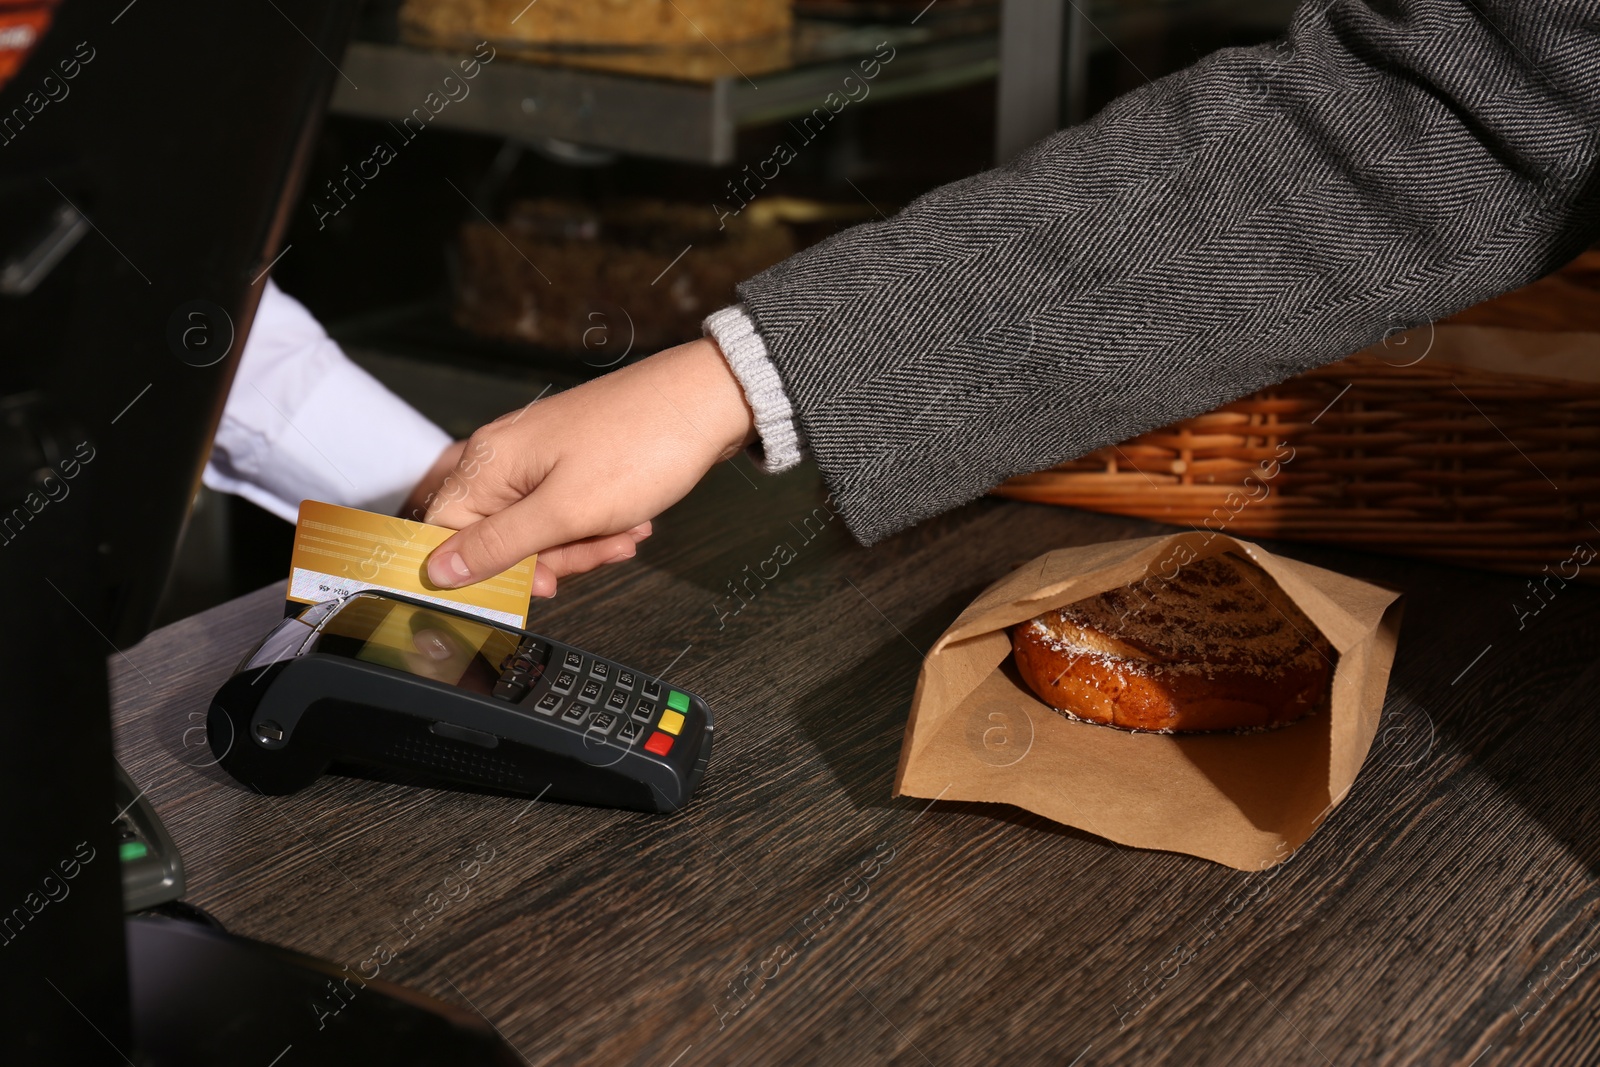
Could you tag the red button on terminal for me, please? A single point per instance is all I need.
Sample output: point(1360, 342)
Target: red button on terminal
point(659, 743)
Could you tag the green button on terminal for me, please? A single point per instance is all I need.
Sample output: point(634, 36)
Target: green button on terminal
point(678, 701)
point(134, 850)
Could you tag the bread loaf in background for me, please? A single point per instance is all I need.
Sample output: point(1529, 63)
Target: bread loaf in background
point(594, 23)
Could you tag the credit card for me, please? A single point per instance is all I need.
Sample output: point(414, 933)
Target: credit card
point(339, 550)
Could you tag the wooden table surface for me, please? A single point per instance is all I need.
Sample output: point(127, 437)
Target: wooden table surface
point(1447, 912)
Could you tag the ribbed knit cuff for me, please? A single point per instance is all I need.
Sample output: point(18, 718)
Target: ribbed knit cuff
point(746, 353)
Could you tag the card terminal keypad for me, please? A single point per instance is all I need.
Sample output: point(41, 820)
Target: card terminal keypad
point(592, 695)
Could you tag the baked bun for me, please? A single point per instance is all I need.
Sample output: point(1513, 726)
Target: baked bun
point(1217, 647)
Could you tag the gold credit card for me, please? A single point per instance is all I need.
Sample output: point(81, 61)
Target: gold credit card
point(339, 550)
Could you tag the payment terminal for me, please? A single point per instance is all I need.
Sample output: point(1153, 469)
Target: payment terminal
point(386, 681)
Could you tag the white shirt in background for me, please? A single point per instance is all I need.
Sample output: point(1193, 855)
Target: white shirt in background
point(303, 422)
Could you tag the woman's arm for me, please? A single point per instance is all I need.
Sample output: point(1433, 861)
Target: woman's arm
point(1265, 211)
point(1260, 213)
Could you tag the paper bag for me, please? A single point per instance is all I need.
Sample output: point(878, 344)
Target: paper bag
point(1247, 800)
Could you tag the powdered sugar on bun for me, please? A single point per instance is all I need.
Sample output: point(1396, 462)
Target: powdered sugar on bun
point(1216, 647)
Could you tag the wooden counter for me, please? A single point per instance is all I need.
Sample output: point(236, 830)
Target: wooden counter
point(1447, 912)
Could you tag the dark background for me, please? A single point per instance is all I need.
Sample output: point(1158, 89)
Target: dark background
point(379, 275)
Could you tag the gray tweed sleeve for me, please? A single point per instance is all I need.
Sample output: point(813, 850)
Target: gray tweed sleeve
point(1263, 212)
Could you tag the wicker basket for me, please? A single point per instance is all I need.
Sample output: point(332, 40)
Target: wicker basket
point(1462, 465)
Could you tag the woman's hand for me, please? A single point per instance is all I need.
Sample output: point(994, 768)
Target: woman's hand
point(434, 483)
point(577, 477)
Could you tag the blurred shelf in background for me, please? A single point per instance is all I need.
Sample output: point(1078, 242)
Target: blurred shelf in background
point(653, 104)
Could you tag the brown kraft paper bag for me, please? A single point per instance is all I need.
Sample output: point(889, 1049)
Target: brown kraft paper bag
point(1247, 800)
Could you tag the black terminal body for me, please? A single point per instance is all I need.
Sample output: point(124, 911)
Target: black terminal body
point(390, 682)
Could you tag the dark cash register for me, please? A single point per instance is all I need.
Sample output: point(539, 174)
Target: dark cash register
point(148, 159)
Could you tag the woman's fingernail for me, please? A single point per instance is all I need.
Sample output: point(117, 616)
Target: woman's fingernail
point(620, 555)
point(639, 533)
point(448, 570)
